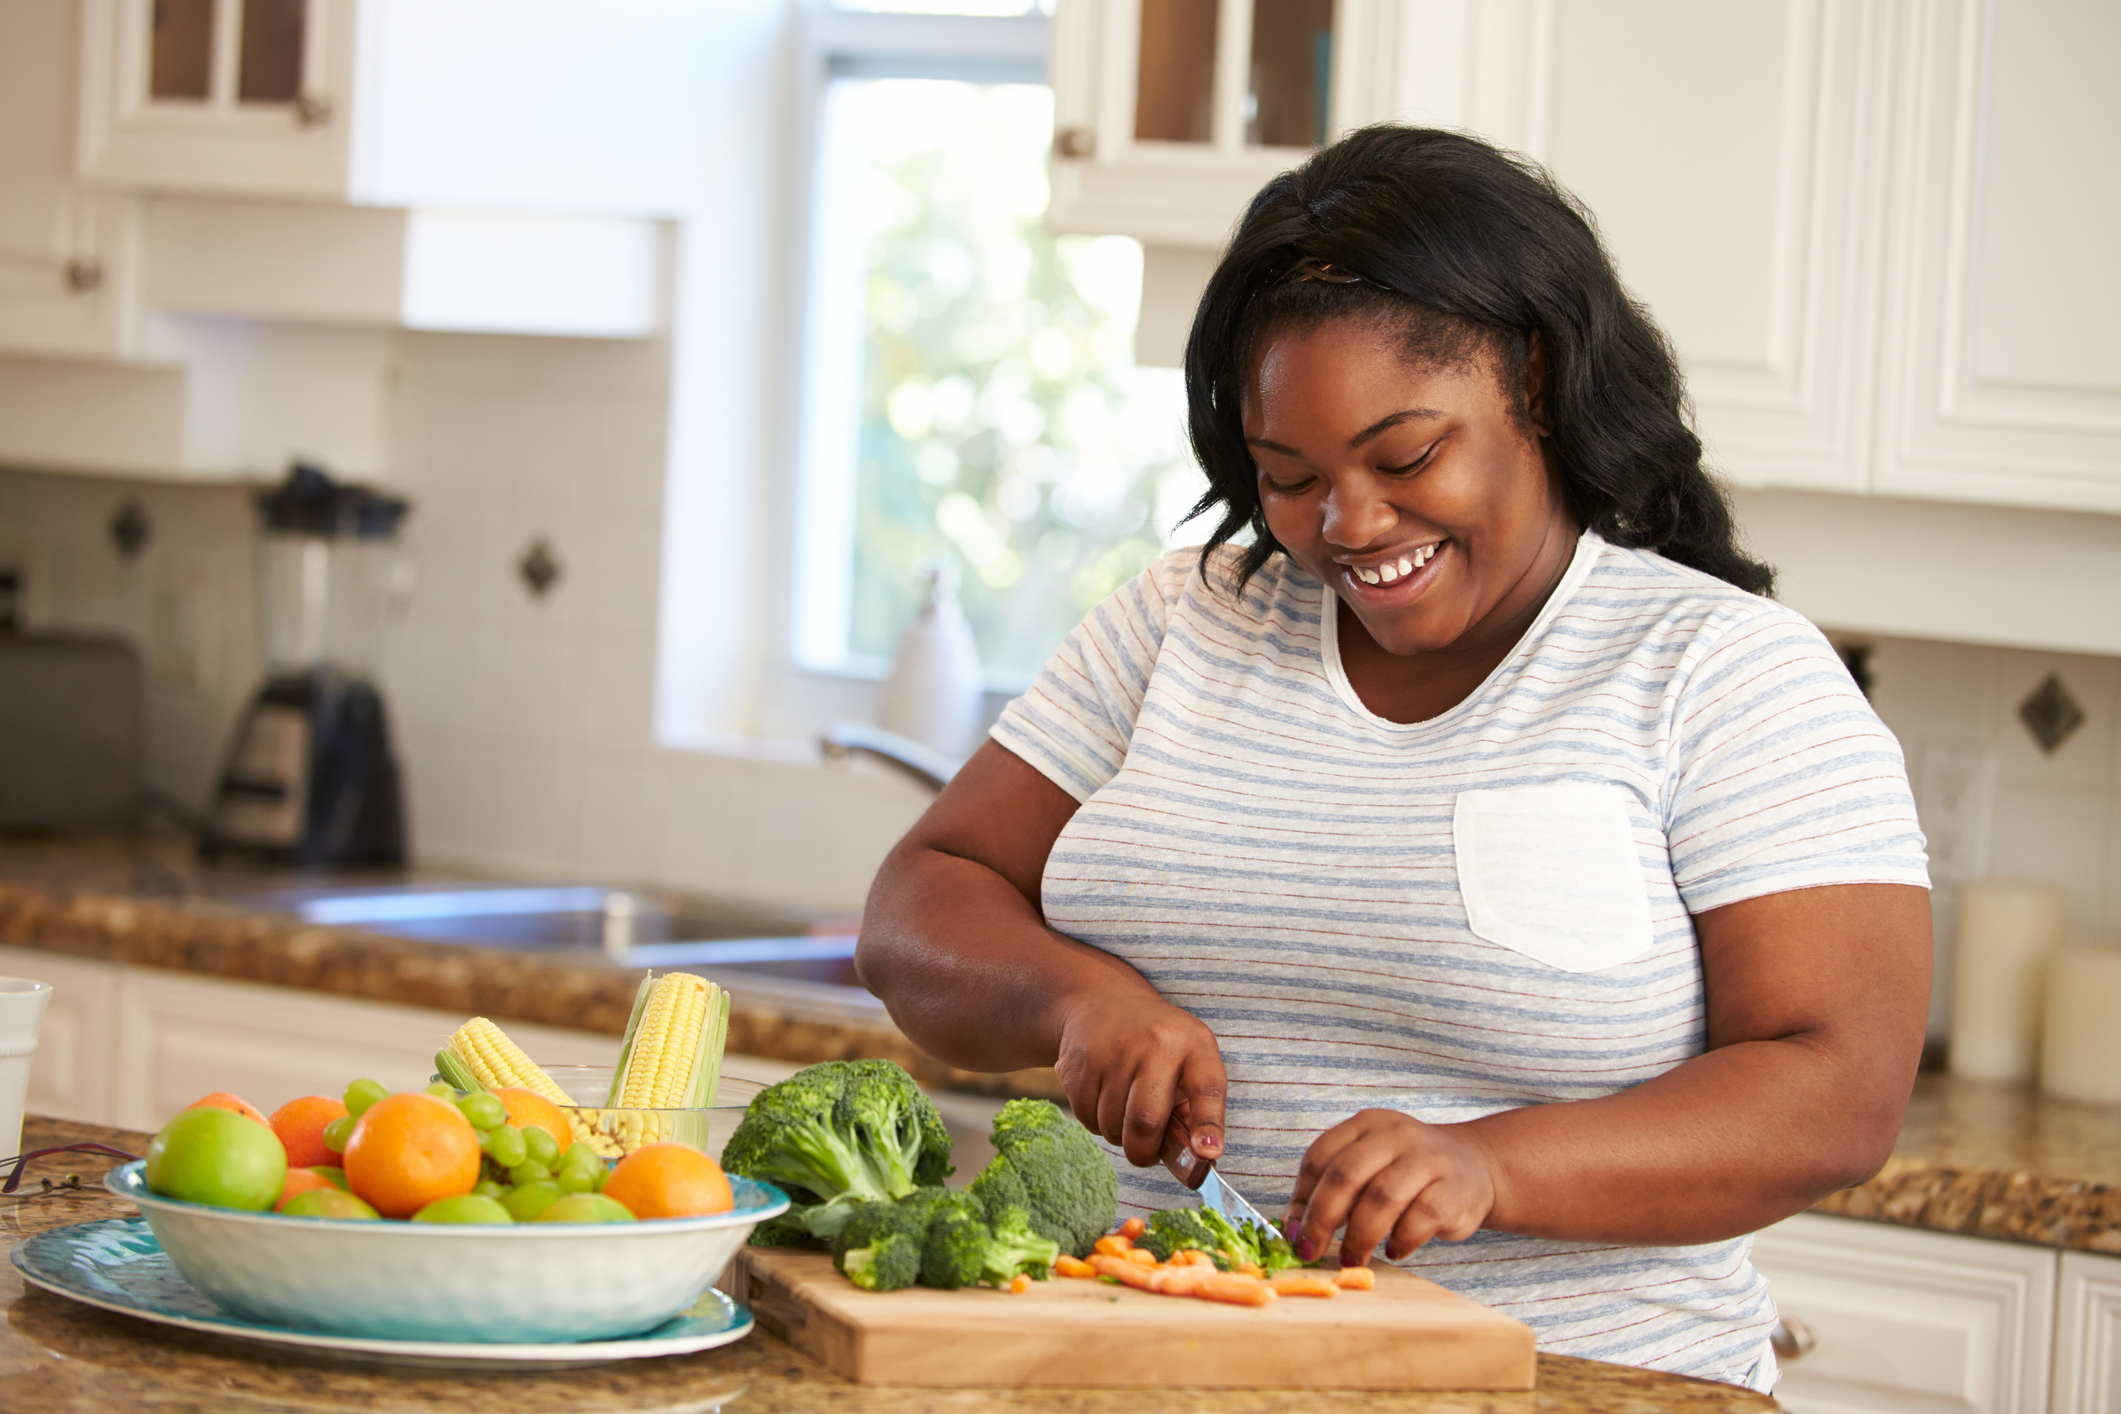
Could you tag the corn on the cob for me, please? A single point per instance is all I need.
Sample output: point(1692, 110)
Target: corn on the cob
point(672, 1056)
point(482, 1053)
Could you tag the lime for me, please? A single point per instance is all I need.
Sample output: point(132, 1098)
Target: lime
point(329, 1203)
point(217, 1157)
point(363, 1093)
point(531, 1199)
point(585, 1208)
point(464, 1208)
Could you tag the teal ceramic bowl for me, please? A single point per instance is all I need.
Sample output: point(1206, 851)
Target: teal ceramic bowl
point(533, 1282)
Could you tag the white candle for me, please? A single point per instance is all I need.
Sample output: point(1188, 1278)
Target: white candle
point(2080, 1052)
point(2007, 932)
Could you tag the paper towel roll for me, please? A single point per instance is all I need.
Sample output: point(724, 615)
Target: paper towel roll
point(2080, 1048)
point(2007, 932)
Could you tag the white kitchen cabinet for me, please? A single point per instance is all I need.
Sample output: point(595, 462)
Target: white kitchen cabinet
point(2088, 1336)
point(2001, 378)
point(1908, 1321)
point(67, 254)
point(74, 1072)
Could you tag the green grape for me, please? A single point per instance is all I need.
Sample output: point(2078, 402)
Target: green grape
point(543, 1149)
point(529, 1171)
point(442, 1090)
point(487, 1188)
point(483, 1110)
point(603, 1177)
point(363, 1093)
point(574, 1180)
point(335, 1133)
point(526, 1202)
point(504, 1145)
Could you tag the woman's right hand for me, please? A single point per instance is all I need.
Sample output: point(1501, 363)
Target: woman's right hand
point(1130, 1061)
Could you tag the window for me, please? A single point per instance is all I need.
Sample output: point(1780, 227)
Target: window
point(970, 393)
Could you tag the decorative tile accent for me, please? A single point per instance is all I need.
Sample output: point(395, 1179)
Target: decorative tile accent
point(2050, 713)
point(539, 567)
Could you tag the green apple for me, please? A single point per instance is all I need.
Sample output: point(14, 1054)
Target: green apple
point(329, 1203)
point(464, 1208)
point(217, 1157)
point(585, 1208)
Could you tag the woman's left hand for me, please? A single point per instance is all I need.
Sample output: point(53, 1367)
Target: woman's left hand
point(1391, 1179)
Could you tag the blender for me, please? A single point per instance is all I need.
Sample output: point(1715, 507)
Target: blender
point(310, 778)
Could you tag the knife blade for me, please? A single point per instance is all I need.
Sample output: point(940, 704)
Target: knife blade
point(1199, 1175)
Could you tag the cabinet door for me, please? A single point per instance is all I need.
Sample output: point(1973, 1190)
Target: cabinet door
point(1909, 1321)
point(236, 96)
point(1733, 156)
point(2002, 376)
point(66, 255)
point(2088, 1336)
point(72, 1075)
point(183, 1036)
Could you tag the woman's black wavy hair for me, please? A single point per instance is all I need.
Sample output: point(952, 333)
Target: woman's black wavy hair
point(1458, 243)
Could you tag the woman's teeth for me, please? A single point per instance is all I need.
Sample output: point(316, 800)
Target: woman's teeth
point(1396, 570)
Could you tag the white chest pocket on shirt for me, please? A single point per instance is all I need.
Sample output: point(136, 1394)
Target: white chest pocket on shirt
point(1551, 871)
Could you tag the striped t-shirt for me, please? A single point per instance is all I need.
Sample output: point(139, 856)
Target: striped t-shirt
point(1459, 916)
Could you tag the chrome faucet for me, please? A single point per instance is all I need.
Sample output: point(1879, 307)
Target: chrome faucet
point(922, 763)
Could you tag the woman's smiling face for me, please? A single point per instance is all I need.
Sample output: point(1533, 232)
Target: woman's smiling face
point(1415, 490)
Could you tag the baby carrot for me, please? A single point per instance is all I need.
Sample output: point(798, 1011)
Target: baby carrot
point(1142, 1255)
point(1019, 1284)
point(1182, 1281)
point(1303, 1284)
point(1113, 1245)
point(1066, 1266)
point(1132, 1228)
point(1355, 1279)
point(1251, 1269)
point(1237, 1290)
point(1126, 1273)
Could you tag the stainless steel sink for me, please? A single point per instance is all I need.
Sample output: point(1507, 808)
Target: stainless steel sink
point(781, 954)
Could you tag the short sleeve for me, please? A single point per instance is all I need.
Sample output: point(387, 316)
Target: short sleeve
point(1783, 777)
point(1075, 722)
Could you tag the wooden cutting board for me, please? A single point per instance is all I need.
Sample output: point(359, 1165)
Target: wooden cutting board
point(1409, 1333)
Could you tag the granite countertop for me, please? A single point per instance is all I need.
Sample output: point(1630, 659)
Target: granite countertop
point(57, 1356)
point(147, 900)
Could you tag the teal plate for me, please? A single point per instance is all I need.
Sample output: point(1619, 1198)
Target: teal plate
point(117, 1265)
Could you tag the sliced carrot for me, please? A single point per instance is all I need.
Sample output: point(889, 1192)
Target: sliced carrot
point(1121, 1270)
point(1355, 1279)
point(1113, 1245)
point(1303, 1284)
point(1019, 1284)
point(1066, 1266)
point(1144, 1256)
point(1236, 1289)
point(1132, 1228)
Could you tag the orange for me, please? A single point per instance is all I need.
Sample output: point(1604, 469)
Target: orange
point(299, 1181)
point(222, 1100)
point(300, 1125)
point(670, 1180)
point(527, 1107)
point(408, 1150)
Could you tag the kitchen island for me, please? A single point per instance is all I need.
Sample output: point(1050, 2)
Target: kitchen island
point(57, 1356)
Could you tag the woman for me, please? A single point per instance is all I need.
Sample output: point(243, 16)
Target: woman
point(1475, 861)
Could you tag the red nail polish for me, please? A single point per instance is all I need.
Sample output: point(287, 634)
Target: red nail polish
point(1307, 1250)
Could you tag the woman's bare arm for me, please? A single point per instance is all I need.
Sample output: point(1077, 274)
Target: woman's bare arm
point(1816, 1003)
point(954, 942)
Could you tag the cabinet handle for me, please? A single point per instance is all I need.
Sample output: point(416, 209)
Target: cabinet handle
point(313, 110)
point(83, 274)
point(1793, 1338)
point(1075, 142)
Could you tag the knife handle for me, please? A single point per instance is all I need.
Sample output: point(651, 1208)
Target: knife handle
point(1186, 1166)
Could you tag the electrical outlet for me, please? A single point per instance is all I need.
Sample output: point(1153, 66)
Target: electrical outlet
point(1956, 801)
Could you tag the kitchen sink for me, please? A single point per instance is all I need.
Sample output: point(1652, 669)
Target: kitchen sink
point(773, 952)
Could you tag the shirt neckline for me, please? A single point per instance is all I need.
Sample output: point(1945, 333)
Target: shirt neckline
point(1588, 546)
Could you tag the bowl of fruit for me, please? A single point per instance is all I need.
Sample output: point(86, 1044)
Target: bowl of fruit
point(466, 1215)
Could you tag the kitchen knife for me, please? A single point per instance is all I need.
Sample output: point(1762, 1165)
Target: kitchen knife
point(1199, 1175)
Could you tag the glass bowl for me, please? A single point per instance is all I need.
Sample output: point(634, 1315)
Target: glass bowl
point(616, 1131)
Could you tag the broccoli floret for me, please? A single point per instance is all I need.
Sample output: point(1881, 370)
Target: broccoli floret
point(1049, 1166)
point(836, 1135)
point(909, 1216)
point(892, 1262)
point(963, 1248)
point(1249, 1241)
point(1178, 1230)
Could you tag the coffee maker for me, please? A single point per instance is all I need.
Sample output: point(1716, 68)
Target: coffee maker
point(311, 779)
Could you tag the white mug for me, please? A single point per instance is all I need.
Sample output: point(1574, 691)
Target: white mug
point(21, 1008)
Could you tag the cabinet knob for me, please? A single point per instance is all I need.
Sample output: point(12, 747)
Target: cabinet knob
point(313, 110)
point(84, 274)
point(1075, 142)
point(1793, 1338)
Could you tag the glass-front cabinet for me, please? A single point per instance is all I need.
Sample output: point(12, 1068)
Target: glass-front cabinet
point(238, 96)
